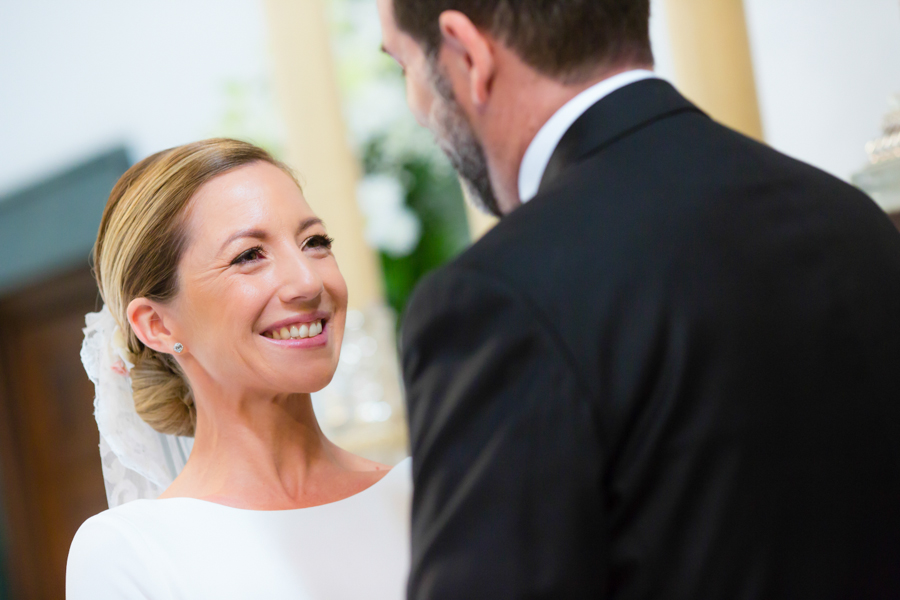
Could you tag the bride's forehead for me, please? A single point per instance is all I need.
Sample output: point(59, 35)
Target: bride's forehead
point(256, 183)
point(250, 195)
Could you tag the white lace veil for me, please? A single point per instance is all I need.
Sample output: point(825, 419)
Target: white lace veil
point(138, 462)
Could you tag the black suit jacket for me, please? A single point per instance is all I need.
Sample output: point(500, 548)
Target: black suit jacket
point(675, 373)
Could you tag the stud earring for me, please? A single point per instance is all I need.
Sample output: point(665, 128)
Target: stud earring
point(179, 348)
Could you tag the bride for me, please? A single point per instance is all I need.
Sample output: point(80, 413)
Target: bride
point(224, 310)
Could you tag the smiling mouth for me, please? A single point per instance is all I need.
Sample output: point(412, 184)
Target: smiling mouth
point(297, 332)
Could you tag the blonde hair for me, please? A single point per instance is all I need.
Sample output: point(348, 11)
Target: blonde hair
point(139, 245)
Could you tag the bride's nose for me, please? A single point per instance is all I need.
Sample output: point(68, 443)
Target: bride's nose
point(298, 279)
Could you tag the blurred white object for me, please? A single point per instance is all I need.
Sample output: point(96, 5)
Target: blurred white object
point(365, 123)
point(362, 409)
point(887, 147)
point(391, 226)
point(881, 177)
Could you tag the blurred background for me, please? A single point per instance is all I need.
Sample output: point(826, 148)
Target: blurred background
point(87, 88)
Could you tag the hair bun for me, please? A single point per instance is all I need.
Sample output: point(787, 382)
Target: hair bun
point(162, 396)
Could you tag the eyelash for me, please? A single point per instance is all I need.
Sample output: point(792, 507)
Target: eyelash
point(316, 241)
point(321, 241)
point(243, 257)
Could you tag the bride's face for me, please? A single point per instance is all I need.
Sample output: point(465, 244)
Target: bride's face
point(261, 303)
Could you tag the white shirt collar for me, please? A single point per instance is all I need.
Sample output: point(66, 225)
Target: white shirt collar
point(541, 149)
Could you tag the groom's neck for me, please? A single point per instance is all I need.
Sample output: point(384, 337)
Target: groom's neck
point(522, 103)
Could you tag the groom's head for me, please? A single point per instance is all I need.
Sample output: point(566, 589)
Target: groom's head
point(482, 73)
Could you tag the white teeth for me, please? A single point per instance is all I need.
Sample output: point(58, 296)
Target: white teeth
point(294, 332)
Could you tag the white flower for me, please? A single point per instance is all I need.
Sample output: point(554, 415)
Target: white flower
point(380, 193)
point(120, 349)
point(390, 225)
point(373, 109)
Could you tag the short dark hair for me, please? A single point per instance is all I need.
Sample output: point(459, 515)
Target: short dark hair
point(566, 39)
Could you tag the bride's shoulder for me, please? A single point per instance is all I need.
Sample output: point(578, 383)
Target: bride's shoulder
point(110, 550)
point(113, 531)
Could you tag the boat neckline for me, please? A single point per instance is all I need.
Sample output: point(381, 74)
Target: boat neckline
point(377, 484)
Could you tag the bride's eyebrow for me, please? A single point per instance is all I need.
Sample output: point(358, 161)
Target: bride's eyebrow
point(309, 223)
point(258, 234)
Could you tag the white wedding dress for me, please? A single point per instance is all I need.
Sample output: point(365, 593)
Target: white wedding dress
point(186, 549)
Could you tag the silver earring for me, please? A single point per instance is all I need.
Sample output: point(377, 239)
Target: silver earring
point(179, 348)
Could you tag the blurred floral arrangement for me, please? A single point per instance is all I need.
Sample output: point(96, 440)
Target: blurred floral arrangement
point(409, 195)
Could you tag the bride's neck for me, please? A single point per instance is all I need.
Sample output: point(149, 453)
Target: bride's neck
point(264, 453)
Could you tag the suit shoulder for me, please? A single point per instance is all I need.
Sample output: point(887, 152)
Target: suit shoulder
point(516, 238)
point(456, 286)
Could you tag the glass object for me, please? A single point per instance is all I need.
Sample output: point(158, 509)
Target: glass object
point(362, 409)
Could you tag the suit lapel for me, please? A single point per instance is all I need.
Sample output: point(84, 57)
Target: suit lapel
point(616, 116)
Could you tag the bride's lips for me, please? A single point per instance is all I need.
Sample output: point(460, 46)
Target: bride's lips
point(300, 331)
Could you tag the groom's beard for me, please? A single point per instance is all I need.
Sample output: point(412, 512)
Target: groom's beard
point(456, 138)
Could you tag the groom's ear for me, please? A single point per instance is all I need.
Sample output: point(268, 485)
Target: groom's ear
point(467, 55)
point(146, 319)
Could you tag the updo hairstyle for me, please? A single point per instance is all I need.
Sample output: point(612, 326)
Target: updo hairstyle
point(140, 243)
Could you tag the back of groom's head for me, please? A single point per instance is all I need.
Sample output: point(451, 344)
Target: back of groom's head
point(564, 39)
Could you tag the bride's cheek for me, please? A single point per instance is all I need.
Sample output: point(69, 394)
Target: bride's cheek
point(248, 292)
point(335, 283)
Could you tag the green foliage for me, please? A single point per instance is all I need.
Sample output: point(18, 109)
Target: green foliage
point(433, 193)
point(436, 199)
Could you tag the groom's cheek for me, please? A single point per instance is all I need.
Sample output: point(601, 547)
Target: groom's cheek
point(420, 100)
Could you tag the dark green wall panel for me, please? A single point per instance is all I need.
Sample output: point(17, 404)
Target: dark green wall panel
point(50, 227)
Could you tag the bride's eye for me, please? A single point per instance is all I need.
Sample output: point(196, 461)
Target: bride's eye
point(247, 256)
point(320, 241)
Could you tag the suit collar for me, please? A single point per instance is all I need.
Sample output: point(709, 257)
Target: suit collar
point(616, 116)
point(541, 148)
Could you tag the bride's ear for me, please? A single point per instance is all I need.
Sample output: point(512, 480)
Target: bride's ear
point(149, 326)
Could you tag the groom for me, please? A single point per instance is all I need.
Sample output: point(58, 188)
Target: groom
point(673, 369)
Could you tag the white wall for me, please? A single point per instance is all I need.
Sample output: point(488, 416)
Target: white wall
point(825, 70)
point(79, 77)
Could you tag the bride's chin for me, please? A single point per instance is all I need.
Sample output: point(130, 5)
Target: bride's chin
point(291, 373)
point(309, 384)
